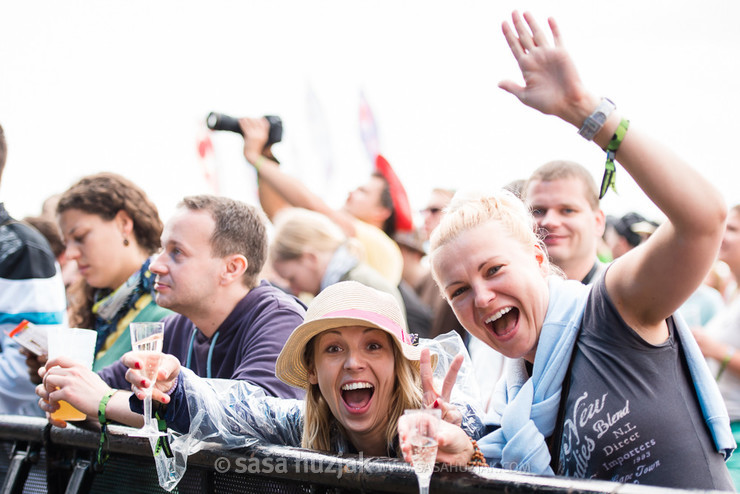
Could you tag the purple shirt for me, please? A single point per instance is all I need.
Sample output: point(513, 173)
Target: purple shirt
point(245, 346)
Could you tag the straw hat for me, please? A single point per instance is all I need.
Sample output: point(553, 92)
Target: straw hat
point(347, 303)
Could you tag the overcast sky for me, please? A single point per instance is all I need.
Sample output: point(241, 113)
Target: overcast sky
point(88, 86)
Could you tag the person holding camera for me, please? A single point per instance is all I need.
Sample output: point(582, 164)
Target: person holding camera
point(372, 212)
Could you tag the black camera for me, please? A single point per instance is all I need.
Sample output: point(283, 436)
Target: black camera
point(219, 121)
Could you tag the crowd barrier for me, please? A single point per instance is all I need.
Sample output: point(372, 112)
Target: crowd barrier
point(38, 458)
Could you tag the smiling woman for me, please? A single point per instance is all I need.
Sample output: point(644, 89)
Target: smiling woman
point(612, 354)
point(360, 369)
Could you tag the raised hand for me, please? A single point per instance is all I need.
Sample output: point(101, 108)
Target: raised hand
point(256, 133)
point(552, 85)
point(435, 399)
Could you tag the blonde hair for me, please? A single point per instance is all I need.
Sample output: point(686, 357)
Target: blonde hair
point(298, 228)
point(469, 210)
point(318, 421)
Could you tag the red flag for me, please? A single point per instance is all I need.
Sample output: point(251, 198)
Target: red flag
point(401, 205)
point(207, 158)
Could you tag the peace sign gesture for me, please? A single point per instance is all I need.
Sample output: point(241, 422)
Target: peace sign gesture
point(433, 398)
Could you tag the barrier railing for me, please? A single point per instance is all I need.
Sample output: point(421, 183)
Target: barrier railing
point(44, 459)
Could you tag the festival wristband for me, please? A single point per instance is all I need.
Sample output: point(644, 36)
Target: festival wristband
point(103, 454)
point(610, 171)
point(102, 406)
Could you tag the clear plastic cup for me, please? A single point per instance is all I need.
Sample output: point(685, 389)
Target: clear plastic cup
point(76, 344)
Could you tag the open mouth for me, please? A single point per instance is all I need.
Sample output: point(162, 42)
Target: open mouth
point(503, 322)
point(357, 395)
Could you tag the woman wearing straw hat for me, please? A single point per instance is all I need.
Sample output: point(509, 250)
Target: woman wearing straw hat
point(360, 369)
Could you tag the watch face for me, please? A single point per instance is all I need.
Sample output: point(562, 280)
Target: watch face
point(600, 118)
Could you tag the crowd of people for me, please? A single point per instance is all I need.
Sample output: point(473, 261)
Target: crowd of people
point(554, 338)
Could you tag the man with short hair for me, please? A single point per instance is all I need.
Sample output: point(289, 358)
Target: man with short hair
point(31, 288)
point(565, 203)
point(229, 324)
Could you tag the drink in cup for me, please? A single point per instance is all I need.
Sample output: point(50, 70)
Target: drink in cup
point(79, 345)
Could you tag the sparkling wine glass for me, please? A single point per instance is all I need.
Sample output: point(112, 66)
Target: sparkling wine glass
point(147, 338)
point(423, 439)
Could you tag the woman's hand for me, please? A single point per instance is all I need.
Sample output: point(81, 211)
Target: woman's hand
point(433, 398)
point(552, 85)
point(169, 369)
point(64, 379)
point(453, 444)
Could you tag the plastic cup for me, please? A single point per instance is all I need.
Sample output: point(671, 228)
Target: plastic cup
point(76, 344)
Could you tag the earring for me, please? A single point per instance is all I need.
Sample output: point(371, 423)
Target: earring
point(125, 242)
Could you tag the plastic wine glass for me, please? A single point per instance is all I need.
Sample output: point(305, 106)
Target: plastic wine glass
point(147, 338)
point(423, 439)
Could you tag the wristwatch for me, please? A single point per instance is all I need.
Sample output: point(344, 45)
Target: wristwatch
point(597, 119)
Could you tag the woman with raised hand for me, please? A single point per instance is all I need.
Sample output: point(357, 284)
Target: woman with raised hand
point(603, 382)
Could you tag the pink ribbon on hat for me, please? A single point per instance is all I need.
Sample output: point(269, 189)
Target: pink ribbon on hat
point(376, 318)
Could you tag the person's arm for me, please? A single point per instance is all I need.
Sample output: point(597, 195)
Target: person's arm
point(650, 282)
point(229, 412)
point(114, 375)
point(272, 202)
point(63, 379)
point(725, 354)
point(292, 190)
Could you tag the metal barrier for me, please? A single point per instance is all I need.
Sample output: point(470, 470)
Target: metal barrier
point(44, 459)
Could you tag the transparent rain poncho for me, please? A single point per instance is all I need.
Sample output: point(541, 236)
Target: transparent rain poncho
point(237, 414)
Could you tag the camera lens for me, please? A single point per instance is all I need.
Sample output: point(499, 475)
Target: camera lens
point(212, 120)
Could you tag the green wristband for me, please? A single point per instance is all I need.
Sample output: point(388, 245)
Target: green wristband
point(610, 171)
point(103, 404)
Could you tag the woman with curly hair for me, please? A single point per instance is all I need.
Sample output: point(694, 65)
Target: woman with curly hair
point(111, 229)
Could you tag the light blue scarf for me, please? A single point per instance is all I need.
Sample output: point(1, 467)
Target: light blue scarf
point(526, 408)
